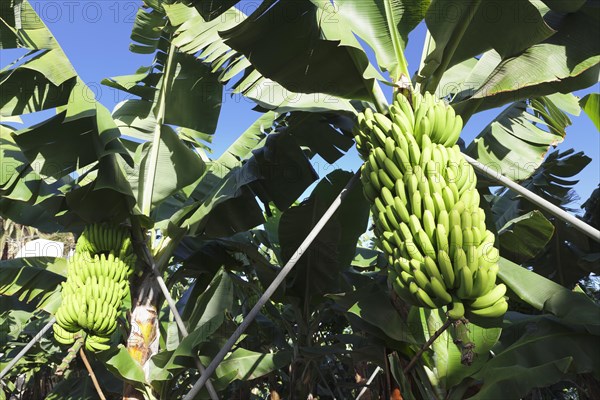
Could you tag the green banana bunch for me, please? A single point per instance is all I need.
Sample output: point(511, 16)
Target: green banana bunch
point(97, 282)
point(426, 208)
point(103, 239)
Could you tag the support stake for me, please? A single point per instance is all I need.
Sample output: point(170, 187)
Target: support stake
point(271, 289)
point(29, 345)
point(535, 199)
point(92, 374)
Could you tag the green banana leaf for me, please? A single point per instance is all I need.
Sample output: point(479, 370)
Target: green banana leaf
point(318, 270)
point(304, 61)
point(34, 280)
point(461, 30)
point(168, 363)
point(564, 258)
point(69, 174)
point(566, 6)
point(250, 365)
point(552, 181)
point(63, 179)
point(515, 144)
point(524, 237)
point(591, 106)
point(370, 309)
point(384, 25)
point(178, 166)
point(213, 302)
point(22, 27)
point(120, 363)
point(573, 308)
point(200, 37)
point(538, 352)
point(269, 160)
point(568, 60)
point(193, 101)
point(41, 79)
point(147, 29)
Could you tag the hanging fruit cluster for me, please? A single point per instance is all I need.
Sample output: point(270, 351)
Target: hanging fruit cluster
point(426, 208)
point(97, 282)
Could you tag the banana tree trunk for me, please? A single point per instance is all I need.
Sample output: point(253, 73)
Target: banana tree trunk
point(142, 342)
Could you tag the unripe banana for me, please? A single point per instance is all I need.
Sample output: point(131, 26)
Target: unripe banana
point(401, 158)
point(492, 273)
point(62, 336)
point(456, 239)
point(426, 299)
point(387, 197)
point(444, 220)
point(426, 208)
point(494, 311)
point(385, 179)
point(457, 311)
point(405, 232)
point(448, 197)
point(466, 283)
point(401, 209)
point(400, 190)
point(413, 251)
point(489, 298)
point(429, 223)
point(415, 225)
point(415, 205)
point(383, 121)
point(441, 238)
point(405, 108)
point(446, 269)
point(440, 291)
point(374, 180)
point(428, 203)
point(421, 279)
point(392, 218)
point(432, 269)
point(369, 192)
point(402, 264)
point(426, 245)
point(392, 169)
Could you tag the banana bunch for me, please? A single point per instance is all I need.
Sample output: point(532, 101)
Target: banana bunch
point(426, 208)
point(97, 282)
point(99, 239)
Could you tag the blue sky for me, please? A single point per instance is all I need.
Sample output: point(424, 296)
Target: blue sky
point(95, 35)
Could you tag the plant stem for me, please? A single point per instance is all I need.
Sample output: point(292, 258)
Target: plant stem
point(432, 339)
point(150, 178)
point(92, 375)
point(71, 355)
point(137, 233)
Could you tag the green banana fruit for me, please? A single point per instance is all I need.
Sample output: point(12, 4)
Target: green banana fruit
point(426, 208)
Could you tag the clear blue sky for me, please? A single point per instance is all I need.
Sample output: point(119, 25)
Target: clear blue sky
point(95, 35)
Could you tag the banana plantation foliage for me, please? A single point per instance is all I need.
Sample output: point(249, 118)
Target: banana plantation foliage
point(425, 280)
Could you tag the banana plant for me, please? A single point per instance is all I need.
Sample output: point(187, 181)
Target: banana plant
point(220, 229)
